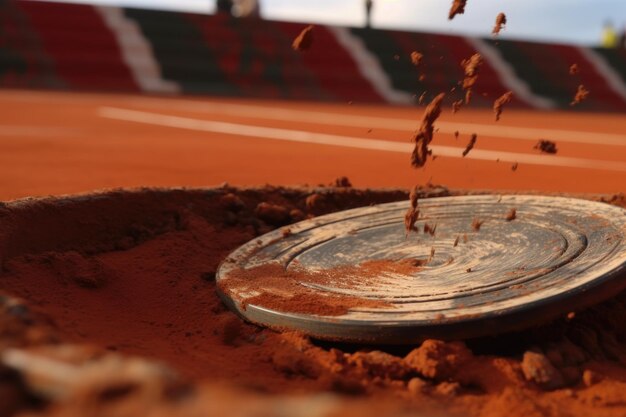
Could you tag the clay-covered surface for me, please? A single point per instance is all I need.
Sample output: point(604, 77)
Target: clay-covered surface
point(108, 307)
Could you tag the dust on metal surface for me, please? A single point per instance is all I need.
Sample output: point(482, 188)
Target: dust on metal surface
point(558, 254)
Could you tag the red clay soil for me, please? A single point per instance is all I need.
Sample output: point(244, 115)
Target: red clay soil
point(500, 22)
point(132, 273)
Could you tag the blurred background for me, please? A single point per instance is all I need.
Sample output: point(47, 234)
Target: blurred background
point(110, 93)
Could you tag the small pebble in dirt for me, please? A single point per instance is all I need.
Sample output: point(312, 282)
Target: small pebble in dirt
point(537, 368)
point(476, 223)
point(514, 167)
point(416, 385)
point(456, 241)
point(500, 22)
point(590, 377)
point(470, 145)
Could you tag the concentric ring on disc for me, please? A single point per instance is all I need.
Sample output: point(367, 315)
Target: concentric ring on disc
point(557, 255)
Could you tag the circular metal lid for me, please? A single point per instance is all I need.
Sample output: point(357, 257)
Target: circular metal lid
point(356, 276)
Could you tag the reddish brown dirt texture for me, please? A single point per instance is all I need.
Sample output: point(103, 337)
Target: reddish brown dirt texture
point(304, 40)
point(573, 69)
point(416, 58)
point(424, 134)
point(458, 7)
point(132, 273)
point(500, 22)
point(580, 96)
point(470, 144)
point(546, 146)
point(500, 102)
point(471, 67)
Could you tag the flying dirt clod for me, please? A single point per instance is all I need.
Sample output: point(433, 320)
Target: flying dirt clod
point(304, 40)
point(500, 102)
point(458, 7)
point(500, 22)
point(424, 135)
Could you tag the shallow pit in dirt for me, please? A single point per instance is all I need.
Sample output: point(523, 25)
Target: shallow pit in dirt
point(131, 273)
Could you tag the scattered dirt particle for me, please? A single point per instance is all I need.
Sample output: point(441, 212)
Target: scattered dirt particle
point(590, 377)
point(422, 77)
point(514, 167)
point(456, 106)
point(498, 105)
point(511, 215)
point(470, 145)
point(421, 99)
point(416, 385)
point(297, 215)
point(431, 230)
point(500, 22)
point(448, 389)
point(424, 135)
point(537, 368)
point(581, 95)
point(571, 315)
point(285, 232)
point(413, 212)
point(468, 270)
point(439, 360)
point(546, 146)
point(416, 58)
point(476, 223)
point(304, 40)
point(471, 67)
point(456, 241)
point(458, 7)
point(343, 182)
point(456, 134)
point(573, 69)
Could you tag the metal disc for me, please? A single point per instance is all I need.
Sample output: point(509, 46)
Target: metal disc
point(557, 255)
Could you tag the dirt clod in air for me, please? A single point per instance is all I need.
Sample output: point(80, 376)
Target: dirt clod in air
point(456, 134)
point(413, 212)
point(471, 67)
point(581, 95)
point(476, 223)
point(304, 40)
point(458, 7)
point(498, 105)
point(421, 99)
point(573, 69)
point(500, 22)
point(456, 241)
point(546, 146)
point(424, 135)
point(456, 106)
point(514, 167)
point(511, 215)
point(470, 145)
point(416, 58)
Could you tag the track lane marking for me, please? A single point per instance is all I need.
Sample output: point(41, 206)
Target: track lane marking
point(334, 119)
point(301, 136)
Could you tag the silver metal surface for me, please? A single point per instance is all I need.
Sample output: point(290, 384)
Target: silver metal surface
point(557, 255)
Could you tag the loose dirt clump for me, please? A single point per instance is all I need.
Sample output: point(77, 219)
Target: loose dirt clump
point(514, 167)
point(581, 95)
point(424, 134)
point(500, 22)
point(471, 67)
point(470, 144)
point(546, 146)
point(458, 7)
point(500, 102)
point(343, 182)
point(304, 40)
point(456, 106)
point(573, 69)
point(476, 223)
point(413, 212)
point(416, 58)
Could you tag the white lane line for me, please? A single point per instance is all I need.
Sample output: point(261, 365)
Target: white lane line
point(376, 122)
point(602, 67)
point(345, 141)
point(369, 66)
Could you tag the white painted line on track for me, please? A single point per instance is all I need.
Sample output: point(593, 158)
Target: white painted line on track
point(498, 130)
point(45, 131)
point(165, 120)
